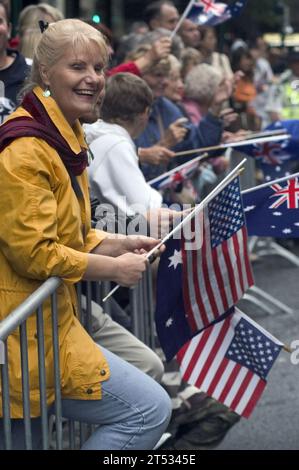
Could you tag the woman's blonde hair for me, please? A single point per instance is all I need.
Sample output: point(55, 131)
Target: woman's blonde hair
point(59, 36)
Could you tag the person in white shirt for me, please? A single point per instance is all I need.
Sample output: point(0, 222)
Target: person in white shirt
point(114, 174)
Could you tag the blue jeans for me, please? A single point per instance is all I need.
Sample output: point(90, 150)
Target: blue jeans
point(133, 413)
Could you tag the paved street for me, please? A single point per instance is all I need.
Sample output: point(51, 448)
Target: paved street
point(275, 422)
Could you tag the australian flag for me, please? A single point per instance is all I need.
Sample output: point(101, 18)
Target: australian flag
point(272, 209)
point(277, 159)
point(209, 12)
point(174, 178)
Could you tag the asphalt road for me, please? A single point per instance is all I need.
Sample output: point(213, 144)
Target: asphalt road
point(274, 424)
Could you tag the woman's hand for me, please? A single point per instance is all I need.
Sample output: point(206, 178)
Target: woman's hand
point(228, 116)
point(139, 244)
point(175, 133)
point(130, 268)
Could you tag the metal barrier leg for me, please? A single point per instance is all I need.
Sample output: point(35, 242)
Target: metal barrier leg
point(25, 386)
point(72, 435)
point(258, 303)
point(281, 251)
point(151, 317)
point(6, 401)
point(280, 305)
point(42, 378)
point(105, 289)
point(58, 406)
point(134, 311)
point(269, 248)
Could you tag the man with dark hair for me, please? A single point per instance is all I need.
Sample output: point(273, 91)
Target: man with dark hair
point(161, 14)
point(13, 67)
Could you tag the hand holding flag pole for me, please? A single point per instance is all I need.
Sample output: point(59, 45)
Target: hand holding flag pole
point(151, 255)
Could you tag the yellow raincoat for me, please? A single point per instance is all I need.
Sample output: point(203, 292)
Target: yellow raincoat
point(41, 235)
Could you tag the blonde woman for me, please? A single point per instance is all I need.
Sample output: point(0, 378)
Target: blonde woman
point(45, 231)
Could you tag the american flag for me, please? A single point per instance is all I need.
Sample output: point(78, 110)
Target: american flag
point(209, 12)
point(195, 287)
point(230, 361)
point(272, 209)
point(216, 276)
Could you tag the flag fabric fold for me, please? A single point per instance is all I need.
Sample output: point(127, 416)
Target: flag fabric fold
point(200, 282)
point(230, 361)
point(209, 12)
point(272, 209)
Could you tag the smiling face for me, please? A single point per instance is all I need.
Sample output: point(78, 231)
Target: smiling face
point(76, 81)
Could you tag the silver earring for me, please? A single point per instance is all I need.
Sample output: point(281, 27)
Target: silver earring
point(47, 93)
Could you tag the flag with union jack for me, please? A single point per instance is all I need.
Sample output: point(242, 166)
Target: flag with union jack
point(209, 12)
point(197, 283)
point(277, 159)
point(272, 209)
point(174, 178)
point(230, 361)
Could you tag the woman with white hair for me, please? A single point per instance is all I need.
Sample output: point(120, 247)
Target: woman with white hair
point(201, 85)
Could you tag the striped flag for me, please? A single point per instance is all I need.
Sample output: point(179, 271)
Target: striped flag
point(216, 276)
point(200, 281)
point(230, 361)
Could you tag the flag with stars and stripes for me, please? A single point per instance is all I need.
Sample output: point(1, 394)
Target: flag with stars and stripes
point(230, 361)
point(277, 159)
point(272, 209)
point(216, 276)
point(209, 12)
point(198, 285)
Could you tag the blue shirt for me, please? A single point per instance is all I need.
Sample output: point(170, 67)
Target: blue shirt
point(207, 133)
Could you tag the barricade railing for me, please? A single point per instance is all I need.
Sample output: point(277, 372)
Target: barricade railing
point(141, 309)
point(18, 319)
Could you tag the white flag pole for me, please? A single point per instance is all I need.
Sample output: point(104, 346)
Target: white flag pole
point(190, 216)
point(240, 143)
point(182, 18)
point(270, 183)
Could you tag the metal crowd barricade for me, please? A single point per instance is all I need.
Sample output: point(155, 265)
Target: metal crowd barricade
point(18, 319)
point(142, 326)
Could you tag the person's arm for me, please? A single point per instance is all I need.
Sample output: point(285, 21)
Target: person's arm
point(120, 259)
point(159, 50)
point(127, 67)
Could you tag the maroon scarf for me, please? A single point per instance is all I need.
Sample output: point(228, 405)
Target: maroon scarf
point(41, 126)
